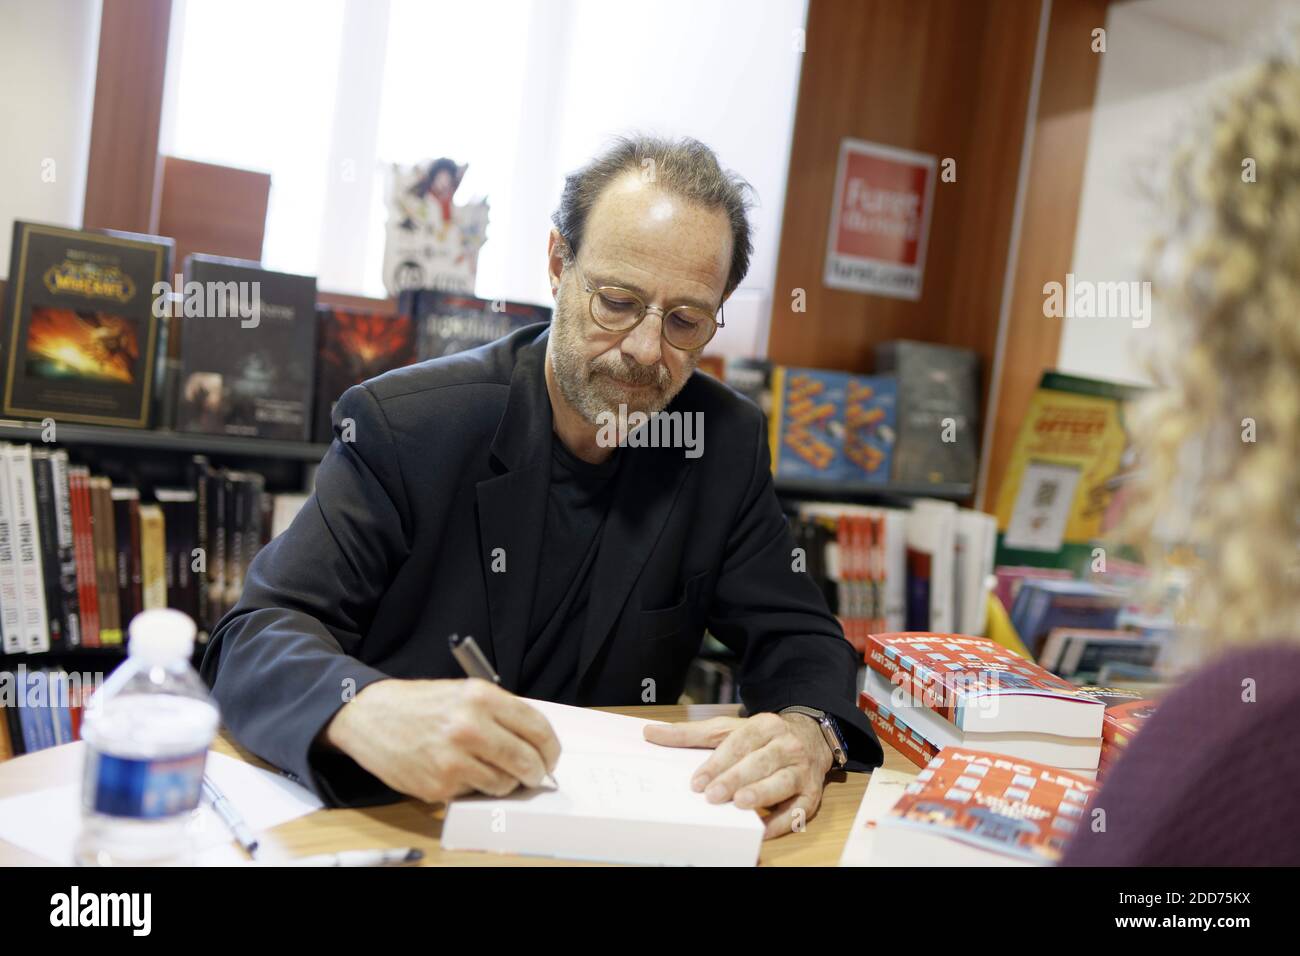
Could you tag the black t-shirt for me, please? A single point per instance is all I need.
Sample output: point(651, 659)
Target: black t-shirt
point(575, 513)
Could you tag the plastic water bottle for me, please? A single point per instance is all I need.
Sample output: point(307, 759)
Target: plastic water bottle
point(147, 732)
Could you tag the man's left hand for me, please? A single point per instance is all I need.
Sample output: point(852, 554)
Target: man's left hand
point(776, 762)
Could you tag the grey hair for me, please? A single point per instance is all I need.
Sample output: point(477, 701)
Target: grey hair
point(683, 166)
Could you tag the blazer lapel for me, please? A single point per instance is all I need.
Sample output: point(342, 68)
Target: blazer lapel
point(512, 511)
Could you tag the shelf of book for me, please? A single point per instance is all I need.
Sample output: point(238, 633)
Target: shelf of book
point(163, 440)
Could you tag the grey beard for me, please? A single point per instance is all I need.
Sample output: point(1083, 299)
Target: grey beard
point(592, 395)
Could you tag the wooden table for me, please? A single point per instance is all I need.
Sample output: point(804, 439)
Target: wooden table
point(418, 824)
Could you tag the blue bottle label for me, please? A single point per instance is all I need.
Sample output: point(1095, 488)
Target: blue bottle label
point(142, 789)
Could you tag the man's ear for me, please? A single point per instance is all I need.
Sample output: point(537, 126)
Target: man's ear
point(555, 261)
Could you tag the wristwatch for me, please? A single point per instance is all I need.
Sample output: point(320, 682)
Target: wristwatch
point(830, 730)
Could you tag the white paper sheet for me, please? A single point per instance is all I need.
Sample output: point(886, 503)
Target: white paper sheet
point(46, 822)
point(883, 790)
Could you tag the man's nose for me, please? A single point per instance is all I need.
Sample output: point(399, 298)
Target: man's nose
point(645, 342)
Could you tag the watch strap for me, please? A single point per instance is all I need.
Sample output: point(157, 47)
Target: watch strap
point(830, 731)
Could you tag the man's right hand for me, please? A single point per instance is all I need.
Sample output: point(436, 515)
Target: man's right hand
point(440, 739)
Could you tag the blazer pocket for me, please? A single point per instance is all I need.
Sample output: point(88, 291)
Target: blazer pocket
point(664, 622)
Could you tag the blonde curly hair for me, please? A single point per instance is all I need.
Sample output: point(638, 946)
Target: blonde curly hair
point(1219, 436)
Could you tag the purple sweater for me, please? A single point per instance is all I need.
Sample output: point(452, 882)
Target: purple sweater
point(1211, 780)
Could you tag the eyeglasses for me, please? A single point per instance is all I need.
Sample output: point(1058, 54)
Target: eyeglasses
point(615, 309)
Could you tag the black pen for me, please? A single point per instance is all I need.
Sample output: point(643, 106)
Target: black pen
point(472, 661)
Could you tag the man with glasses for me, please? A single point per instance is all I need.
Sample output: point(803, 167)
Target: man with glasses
point(475, 494)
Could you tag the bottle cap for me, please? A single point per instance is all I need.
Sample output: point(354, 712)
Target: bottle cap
point(161, 635)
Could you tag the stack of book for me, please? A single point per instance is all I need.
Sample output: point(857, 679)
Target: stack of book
point(1011, 576)
point(857, 556)
point(970, 807)
point(1079, 654)
point(1042, 605)
point(924, 692)
point(1126, 713)
point(926, 568)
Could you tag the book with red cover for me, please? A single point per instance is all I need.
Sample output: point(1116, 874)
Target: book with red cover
point(969, 807)
point(897, 734)
point(84, 549)
point(1126, 712)
point(352, 347)
point(978, 685)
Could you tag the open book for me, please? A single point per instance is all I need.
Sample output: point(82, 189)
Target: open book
point(621, 799)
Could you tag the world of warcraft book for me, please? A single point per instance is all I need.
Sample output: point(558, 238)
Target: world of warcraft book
point(81, 328)
point(248, 346)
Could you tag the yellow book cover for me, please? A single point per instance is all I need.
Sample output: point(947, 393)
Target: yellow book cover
point(153, 557)
point(1064, 483)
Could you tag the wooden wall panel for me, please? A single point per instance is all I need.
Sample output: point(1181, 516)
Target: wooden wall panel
point(219, 210)
point(1046, 248)
point(941, 77)
point(123, 174)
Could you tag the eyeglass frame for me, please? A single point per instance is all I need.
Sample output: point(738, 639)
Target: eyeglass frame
point(718, 323)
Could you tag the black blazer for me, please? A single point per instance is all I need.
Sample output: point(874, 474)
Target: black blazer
point(436, 466)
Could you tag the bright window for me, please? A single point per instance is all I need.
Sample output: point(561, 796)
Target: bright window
point(324, 94)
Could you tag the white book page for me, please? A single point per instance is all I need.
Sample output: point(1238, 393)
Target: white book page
point(608, 769)
point(619, 798)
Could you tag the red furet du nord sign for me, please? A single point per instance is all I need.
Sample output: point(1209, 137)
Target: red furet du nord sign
point(880, 220)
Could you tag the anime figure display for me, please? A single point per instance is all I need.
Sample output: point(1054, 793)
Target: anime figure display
point(432, 243)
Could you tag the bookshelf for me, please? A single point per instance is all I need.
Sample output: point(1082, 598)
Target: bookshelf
point(147, 439)
point(887, 491)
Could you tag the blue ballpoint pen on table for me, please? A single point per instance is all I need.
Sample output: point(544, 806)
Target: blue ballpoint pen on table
point(472, 661)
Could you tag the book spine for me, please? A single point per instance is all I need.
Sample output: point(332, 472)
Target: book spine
point(179, 532)
point(110, 629)
point(202, 594)
point(136, 574)
point(170, 371)
point(895, 545)
point(28, 549)
point(235, 503)
point(13, 718)
point(6, 747)
point(85, 555)
point(861, 579)
point(153, 556)
point(918, 751)
point(10, 601)
point(46, 521)
point(877, 574)
point(255, 513)
point(46, 712)
point(54, 685)
point(930, 694)
point(29, 718)
point(122, 554)
point(66, 556)
point(218, 502)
